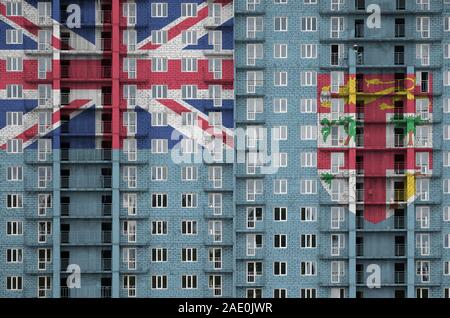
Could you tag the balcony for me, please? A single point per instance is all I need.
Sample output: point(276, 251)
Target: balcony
point(359, 195)
point(81, 155)
point(399, 223)
point(76, 46)
point(399, 30)
point(102, 182)
point(86, 292)
point(400, 250)
point(399, 141)
point(360, 168)
point(103, 16)
point(394, 223)
point(90, 265)
point(86, 237)
point(104, 127)
point(359, 277)
point(359, 140)
point(399, 58)
point(399, 195)
point(86, 74)
point(76, 211)
point(399, 168)
point(399, 277)
point(359, 249)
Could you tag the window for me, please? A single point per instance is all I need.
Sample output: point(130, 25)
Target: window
point(280, 214)
point(159, 146)
point(446, 270)
point(308, 24)
point(279, 292)
point(215, 230)
point(308, 241)
point(423, 243)
point(308, 159)
point(159, 255)
point(337, 27)
point(159, 64)
point(189, 200)
point(308, 132)
point(337, 217)
point(337, 244)
point(336, 5)
point(308, 268)
point(159, 10)
point(14, 64)
point(14, 255)
point(44, 122)
point(189, 281)
point(189, 254)
point(337, 271)
point(189, 37)
point(215, 203)
point(308, 214)
point(422, 189)
point(159, 282)
point(280, 24)
point(44, 176)
point(423, 271)
point(215, 67)
point(44, 203)
point(446, 240)
point(254, 25)
point(159, 119)
point(337, 80)
point(337, 162)
point(215, 176)
point(254, 270)
point(129, 65)
point(14, 283)
point(189, 64)
point(423, 26)
point(14, 36)
point(159, 227)
point(280, 159)
point(308, 78)
point(44, 231)
point(308, 51)
point(280, 133)
point(280, 268)
point(446, 214)
point(280, 78)
point(14, 201)
point(423, 54)
point(14, 91)
point(254, 79)
point(129, 258)
point(254, 106)
point(215, 40)
point(189, 173)
point(14, 8)
point(215, 93)
point(189, 227)
point(280, 186)
point(129, 284)
point(130, 203)
point(280, 51)
point(279, 105)
point(189, 91)
point(130, 148)
point(308, 106)
point(14, 146)
point(308, 186)
point(159, 200)
point(15, 173)
point(159, 37)
point(130, 39)
point(159, 173)
point(14, 228)
point(254, 215)
point(307, 293)
point(129, 229)
point(280, 241)
point(189, 9)
point(129, 12)
point(159, 91)
point(130, 176)
point(129, 93)
point(44, 258)
point(254, 188)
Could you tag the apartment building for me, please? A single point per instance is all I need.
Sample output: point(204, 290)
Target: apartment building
point(117, 120)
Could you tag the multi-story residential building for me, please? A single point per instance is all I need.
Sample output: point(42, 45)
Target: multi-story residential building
point(118, 118)
point(96, 95)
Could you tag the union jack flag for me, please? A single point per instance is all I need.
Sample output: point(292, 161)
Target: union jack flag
point(175, 60)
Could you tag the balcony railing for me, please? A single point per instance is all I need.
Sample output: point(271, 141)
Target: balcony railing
point(399, 195)
point(103, 292)
point(85, 237)
point(399, 168)
point(72, 44)
point(359, 249)
point(65, 209)
point(360, 195)
point(399, 141)
point(400, 250)
point(359, 140)
point(103, 182)
point(399, 222)
point(360, 277)
point(106, 210)
point(359, 168)
point(399, 277)
point(400, 31)
point(399, 58)
point(73, 72)
point(85, 155)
